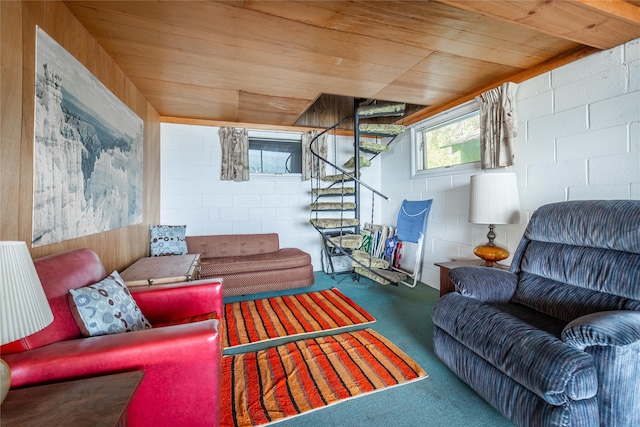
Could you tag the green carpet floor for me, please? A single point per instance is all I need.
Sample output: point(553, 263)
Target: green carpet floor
point(403, 315)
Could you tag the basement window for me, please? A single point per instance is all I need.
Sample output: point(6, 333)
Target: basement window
point(448, 142)
point(278, 153)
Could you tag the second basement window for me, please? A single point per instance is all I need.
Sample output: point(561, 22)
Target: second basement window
point(448, 140)
point(277, 153)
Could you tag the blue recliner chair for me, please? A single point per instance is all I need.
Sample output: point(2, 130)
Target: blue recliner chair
point(556, 340)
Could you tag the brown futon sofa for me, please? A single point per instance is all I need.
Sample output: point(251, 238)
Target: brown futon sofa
point(251, 263)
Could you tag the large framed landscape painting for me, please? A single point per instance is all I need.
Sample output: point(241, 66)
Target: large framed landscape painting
point(88, 151)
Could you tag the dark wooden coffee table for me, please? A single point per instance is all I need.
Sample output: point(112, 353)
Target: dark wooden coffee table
point(90, 402)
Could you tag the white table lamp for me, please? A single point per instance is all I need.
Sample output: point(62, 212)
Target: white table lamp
point(24, 309)
point(493, 200)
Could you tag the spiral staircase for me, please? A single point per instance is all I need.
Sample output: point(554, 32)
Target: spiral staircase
point(336, 197)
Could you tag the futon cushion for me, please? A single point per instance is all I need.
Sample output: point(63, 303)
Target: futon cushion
point(265, 281)
point(105, 308)
point(228, 245)
point(167, 240)
point(279, 260)
point(535, 358)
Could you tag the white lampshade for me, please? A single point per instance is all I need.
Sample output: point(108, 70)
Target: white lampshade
point(24, 308)
point(494, 199)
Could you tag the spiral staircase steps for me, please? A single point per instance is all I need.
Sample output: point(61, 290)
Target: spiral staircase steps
point(382, 276)
point(341, 233)
point(347, 241)
point(351, 163)
point(332, 206)
point(362, 258)
point(376, 110)
point(334, 191)
point(372, 147)
point(339, 177)
point(331, 223)
point(382, 130)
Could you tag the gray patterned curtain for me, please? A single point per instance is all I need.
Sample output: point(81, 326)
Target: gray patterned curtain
point(311, 167)
point(498, 126)
point(235, 154)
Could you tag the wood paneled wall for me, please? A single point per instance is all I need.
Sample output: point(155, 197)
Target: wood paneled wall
point(18, 20)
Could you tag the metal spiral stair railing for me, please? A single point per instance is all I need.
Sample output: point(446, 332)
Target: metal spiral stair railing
point(341, 236)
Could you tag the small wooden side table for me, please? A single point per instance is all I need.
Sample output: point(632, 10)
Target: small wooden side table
point(90, 402)
point(446, 285)
point(162, 269)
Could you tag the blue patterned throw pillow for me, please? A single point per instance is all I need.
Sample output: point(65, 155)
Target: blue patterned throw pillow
point(106, 307)
point(168, 240)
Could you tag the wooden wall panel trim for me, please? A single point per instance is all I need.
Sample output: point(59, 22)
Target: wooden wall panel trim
point(117, 248)
point(10, 112)
point(25, 205)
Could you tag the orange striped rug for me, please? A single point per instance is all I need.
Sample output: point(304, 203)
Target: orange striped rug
point(268, 385)
point(247, 322)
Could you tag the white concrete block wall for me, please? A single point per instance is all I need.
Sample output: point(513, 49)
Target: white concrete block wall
point(578, 138)
point(193, 194)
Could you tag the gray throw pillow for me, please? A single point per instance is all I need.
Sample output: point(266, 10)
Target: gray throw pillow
point(106, 307)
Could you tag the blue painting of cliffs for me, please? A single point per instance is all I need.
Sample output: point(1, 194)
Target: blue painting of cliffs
point(88, 175)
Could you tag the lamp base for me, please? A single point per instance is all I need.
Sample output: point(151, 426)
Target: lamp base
point(491, 254)
point(5, 380)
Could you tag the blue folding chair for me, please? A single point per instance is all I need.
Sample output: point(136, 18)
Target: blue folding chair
point(411, 228)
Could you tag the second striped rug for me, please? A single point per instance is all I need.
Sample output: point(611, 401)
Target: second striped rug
point(288, 380)
point(247, 322)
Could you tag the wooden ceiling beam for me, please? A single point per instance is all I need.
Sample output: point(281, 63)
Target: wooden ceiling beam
point(236, 124)
point(602, 24)
point(625, 11)
point(517, 78)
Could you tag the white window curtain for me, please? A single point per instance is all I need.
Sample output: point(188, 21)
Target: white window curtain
point(498, 126)
point(311, 166)
point(235, 154)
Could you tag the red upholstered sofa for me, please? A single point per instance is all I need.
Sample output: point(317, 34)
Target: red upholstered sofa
point(181, 363)
point(251, 263)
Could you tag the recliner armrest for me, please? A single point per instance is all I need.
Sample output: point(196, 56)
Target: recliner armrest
point(612, 339)
point(607, 328)
point(175, 301)
point(484, 284)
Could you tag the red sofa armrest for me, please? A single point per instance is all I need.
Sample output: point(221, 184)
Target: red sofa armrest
point(182, 366)
point(175, 301)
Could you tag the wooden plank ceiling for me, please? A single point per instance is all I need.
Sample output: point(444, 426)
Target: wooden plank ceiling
point(266, 62)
